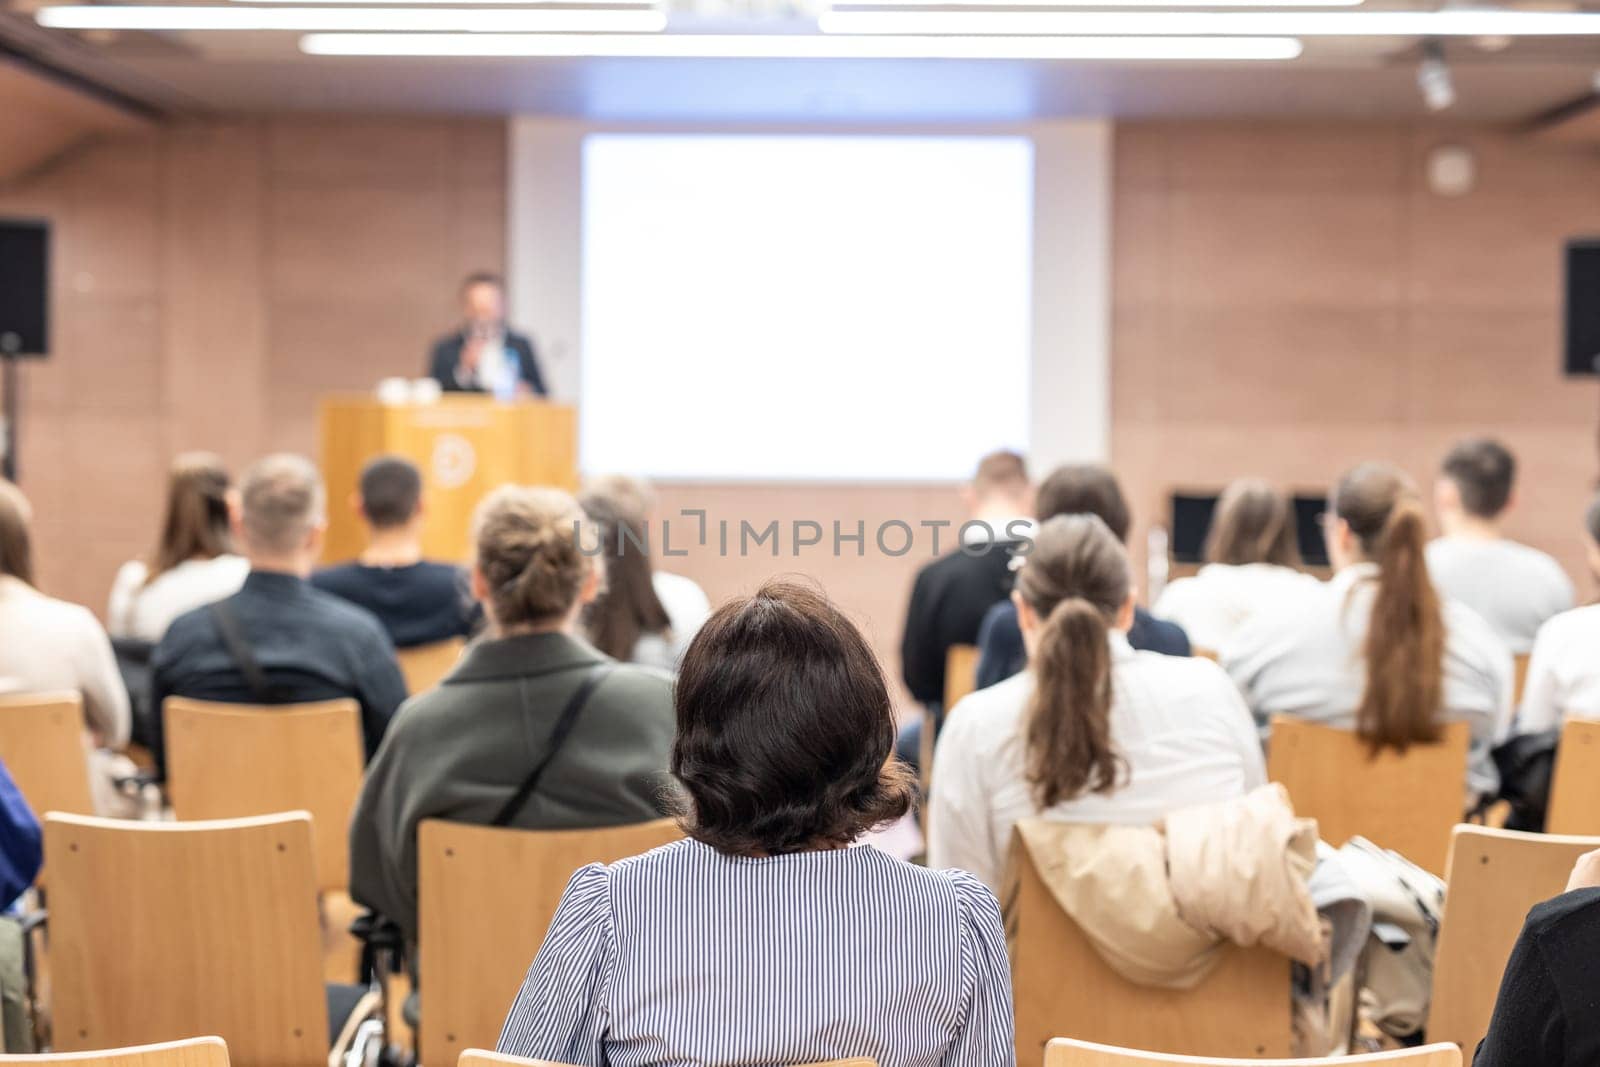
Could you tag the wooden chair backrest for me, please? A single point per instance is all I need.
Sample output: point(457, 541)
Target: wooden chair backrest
point(1407, 802)
point(195, 1052)
point(1495, 876)
point(1575, 787)
point(161, 930)
point(1060, 985)
point(1205, 653)
point(1064, 1052)
point(476, 1057)
point(42, 744)
point(960, 673)
point(1519, 678)
point(423, 665)
point(230, 761)
point(485, 897)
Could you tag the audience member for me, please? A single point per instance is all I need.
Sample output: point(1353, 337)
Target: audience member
point(764, 937)
point(418, 601)
point(952, 593)
point(628, 621)
point(1251, 557)
point(49, 645)
point(1081, 489)
point(533, 728)
point(1563, 672)
point(278, 640)
point(21, 842)
point(1093, 731)
point(194, 563)
point(1548, 1011)
point(1376, 650)
point(686, 604)
point(1515, 588)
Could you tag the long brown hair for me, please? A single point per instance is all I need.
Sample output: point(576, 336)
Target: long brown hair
point(16, 545)
point(1254, 523)
point(196, 521)
point(1404, 647)
point(1076, 579)
point(628, 606)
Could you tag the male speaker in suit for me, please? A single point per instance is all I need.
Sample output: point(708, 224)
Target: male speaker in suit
point(483, 356)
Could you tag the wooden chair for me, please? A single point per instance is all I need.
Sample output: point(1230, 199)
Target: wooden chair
point(195, 1052)
point(423, 665)
point(470, 968)
point(42, 744)
point(1205, 653)
point(228, 761)
point(1495, 876)
point(1407, 802)
point(1060, 985)
point(960, 673)
point(1575, 787)
point(1519, 678)
point(159, 930)
point(1064, 1052)
point(474, 1057)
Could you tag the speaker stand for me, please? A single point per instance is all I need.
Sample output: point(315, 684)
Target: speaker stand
point(10, 380)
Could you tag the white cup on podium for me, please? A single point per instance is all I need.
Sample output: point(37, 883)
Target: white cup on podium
point(394, 391)
point(426, 391)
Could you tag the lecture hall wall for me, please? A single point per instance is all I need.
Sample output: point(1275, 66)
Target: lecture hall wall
point(1287, 299)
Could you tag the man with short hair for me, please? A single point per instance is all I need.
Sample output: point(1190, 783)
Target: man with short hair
point(950, 594)
point(1515, 588)
point(1075, 489)
point(279, 640)
point(419, 602)
point(483, 356)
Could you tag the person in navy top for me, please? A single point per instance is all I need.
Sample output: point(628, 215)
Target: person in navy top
point(418, 601)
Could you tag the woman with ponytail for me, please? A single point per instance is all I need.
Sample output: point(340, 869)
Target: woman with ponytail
point(1092, 731)
point(529, 692)
point(1378, 651)
point(194, 563)
point(1251, 559)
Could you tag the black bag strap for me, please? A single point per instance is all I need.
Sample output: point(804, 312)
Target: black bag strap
point(558, 737)
point(243, 658)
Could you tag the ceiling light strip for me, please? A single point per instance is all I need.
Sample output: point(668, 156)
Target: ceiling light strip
point(303, 19)
point(803, 46)
point(1454, 22)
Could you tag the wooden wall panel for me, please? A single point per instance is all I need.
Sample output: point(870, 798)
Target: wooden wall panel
point(1291, 299)
point(212, 280)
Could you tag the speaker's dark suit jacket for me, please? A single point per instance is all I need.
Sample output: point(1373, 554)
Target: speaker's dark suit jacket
point(447, 353)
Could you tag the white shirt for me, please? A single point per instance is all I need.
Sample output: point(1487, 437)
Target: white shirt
point(687, 609)
point(1178, 722)
point(1515, 588)
point(1222, 597)
point(1563, 672)
point(144, 610)
point(49, 645)
point(1306, 660)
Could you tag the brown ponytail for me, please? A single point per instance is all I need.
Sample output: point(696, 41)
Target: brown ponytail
point(196, 522)
point(16, 543)
point(1405, 640)
point(1076, 579)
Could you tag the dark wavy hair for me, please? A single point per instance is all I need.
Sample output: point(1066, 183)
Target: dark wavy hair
point(785, 730)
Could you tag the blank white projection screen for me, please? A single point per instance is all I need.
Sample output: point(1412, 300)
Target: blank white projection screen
point(804, 307)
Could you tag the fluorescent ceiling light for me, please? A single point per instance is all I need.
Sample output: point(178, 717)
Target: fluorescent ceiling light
point(567, 4)
point(301, 19)
point(853, 5)
point(799, 46)
point(1454, 22)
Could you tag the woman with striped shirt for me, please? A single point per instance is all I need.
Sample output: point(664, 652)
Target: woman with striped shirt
point(765, 937)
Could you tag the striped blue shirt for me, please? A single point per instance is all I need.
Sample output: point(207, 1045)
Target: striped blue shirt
point(686, 956)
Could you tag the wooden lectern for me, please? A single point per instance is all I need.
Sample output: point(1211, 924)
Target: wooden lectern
point(465, 446)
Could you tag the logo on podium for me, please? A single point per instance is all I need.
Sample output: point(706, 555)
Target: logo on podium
point(453, 461)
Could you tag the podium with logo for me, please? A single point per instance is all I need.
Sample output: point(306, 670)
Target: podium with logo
point(464, 445)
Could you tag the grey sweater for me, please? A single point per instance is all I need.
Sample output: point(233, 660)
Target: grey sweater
point(461, 750)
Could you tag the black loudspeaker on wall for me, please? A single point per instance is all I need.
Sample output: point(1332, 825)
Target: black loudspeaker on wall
point(1583, 306)
point(24, 318)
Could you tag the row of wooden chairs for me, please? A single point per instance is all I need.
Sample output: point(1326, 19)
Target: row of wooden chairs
point(164, 929)
point(1061, 1052)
